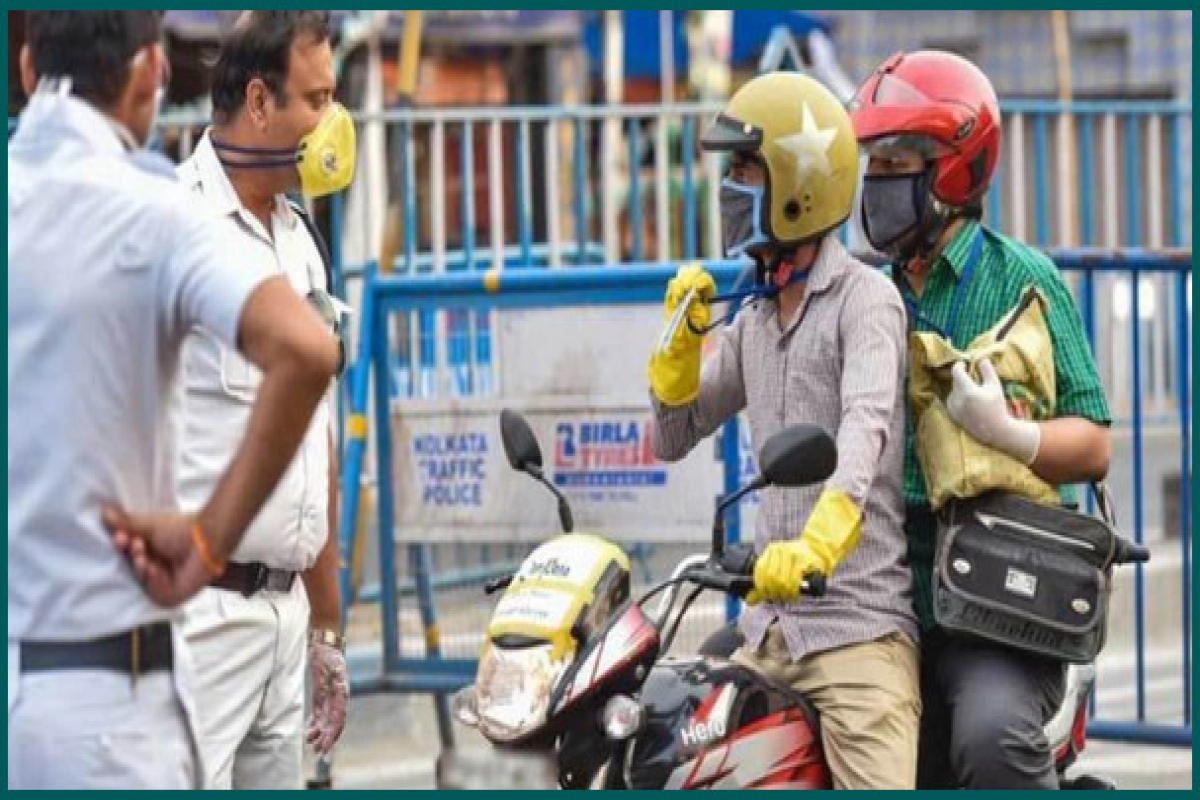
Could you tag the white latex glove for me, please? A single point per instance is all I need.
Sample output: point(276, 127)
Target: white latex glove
point(982, 411)
point(330, 694)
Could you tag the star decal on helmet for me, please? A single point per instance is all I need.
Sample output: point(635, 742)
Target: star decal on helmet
point(811, 145)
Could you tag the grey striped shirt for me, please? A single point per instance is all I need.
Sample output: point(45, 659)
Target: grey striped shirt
point(838, 364)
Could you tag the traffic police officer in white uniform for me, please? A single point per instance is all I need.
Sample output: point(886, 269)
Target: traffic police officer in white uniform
point(276, 129)
point(108, 270)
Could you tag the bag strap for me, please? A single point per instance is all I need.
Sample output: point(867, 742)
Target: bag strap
point(1104, 503)
point(318, 240)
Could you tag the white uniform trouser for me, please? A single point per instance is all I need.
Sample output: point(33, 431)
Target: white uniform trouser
point(92, 729)
point(250, 656)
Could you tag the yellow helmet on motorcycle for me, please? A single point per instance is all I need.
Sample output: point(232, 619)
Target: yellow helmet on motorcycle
point(581, 577)
point(802, 136)
point(565, 592)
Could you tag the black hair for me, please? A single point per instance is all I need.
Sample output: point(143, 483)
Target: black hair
point(92, 48)
point(260, 46)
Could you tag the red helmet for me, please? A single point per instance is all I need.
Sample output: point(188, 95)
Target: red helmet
point(942, 98)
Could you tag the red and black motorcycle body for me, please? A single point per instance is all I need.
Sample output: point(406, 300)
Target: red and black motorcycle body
point(714, 724)
point(709, 723)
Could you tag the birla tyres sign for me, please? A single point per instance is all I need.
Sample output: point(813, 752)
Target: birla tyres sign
point(606, 453)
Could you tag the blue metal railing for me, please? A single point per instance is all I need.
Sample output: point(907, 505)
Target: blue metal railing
point(1102, 206)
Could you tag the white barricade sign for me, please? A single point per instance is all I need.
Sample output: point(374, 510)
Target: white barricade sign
point(455, 484)
point(578, 376)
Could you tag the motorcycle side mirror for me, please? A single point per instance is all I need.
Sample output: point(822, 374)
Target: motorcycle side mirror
point(520, 445)
point(525, 455)
point(799, 455)
point(795, 456)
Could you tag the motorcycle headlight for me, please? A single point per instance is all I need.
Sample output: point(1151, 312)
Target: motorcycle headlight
point(512, 691)
point(622, 717)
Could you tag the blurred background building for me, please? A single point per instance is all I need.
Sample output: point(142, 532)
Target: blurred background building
point(473, 57)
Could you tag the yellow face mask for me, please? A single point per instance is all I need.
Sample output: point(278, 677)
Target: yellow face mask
point(324, 159)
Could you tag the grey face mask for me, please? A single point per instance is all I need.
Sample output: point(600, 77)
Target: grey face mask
point(894, 208)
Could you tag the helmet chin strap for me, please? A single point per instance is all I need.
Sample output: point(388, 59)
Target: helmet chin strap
point(917, 252)
point(778, 270)
point(771, 277)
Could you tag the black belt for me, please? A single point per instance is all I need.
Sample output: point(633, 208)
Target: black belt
point(249, 579)
point(144, 649)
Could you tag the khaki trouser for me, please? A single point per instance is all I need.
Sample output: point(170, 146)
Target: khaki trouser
point(868, 697)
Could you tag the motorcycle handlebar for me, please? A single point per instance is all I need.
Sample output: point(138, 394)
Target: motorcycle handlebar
point(732, 574)
point(1128, 552)
point(497, 584)
point(735, 574)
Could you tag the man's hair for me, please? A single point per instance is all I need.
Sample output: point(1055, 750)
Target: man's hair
point(92, 48)
point(259, 46)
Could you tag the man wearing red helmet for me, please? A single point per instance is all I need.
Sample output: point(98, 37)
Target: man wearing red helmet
point(929, 122)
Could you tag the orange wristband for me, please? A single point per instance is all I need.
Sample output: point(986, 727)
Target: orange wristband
point(214, 567)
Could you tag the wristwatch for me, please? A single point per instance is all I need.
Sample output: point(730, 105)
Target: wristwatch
point(326, 636)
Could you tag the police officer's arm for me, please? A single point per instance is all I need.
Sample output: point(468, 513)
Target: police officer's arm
point(281, 335)
point(203, 282)
point(327, 662)
point(321, 580)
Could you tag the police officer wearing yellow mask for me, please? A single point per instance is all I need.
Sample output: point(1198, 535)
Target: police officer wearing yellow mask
point(276, 129)
point(822, 341)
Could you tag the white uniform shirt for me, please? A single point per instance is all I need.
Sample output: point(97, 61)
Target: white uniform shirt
point(109, 267)
point(219, 386)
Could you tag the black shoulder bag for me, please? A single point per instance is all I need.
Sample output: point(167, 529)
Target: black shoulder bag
point(1034, 577)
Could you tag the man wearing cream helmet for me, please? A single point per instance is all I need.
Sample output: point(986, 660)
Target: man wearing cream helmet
point(276, 129)
point(821, 341)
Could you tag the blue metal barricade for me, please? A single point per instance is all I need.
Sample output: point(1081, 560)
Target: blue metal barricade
point(385, 296)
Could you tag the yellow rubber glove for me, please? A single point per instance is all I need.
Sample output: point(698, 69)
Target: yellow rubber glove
point(829, 535)
point(674, 375)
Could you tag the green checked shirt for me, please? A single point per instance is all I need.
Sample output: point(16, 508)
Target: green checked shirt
point(1004, 269)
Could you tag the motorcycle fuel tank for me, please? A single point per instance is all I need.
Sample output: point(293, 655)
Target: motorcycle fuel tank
point(717, 725)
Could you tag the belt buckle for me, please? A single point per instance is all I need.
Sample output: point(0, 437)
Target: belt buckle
point(258, 579)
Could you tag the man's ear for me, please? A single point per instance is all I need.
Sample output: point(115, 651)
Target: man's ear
point(29, 76)
point(146, 72)
point(258, 97)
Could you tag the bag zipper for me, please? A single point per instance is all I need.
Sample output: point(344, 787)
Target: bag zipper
point(987, 519)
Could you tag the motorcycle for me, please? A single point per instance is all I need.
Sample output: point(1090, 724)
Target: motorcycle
point(574, 670)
